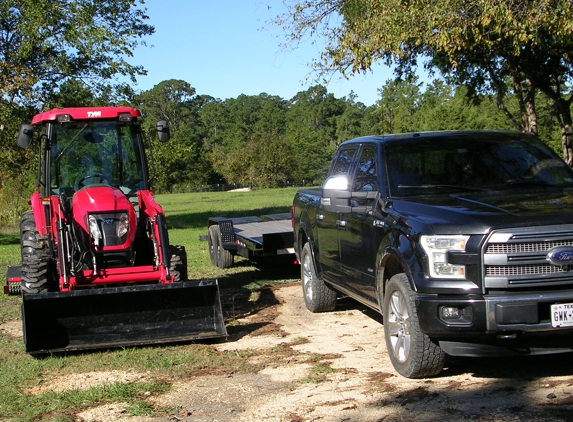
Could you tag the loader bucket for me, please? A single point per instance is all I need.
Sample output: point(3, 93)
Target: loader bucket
point(122, 316)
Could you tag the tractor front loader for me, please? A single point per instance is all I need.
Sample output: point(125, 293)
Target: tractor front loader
point(97, 267)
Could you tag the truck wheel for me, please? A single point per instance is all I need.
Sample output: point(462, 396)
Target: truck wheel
point(178, 263)
point(318, 296)
point(413, 354)
point(37, 264)
point(223, 258)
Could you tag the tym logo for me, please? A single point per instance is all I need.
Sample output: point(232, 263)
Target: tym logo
point(94, 113)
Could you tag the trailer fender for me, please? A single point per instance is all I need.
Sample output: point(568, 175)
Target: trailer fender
point(227, 230)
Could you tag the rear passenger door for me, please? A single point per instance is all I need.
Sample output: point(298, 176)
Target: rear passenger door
point(357, 252)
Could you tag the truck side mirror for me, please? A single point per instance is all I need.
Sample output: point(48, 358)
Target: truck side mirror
point(25, 136)
point(336, 195)
point(162, 128)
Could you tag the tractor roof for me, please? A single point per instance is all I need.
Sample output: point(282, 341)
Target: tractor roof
point(85, 113)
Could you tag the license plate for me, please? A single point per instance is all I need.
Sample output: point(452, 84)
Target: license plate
point(562, 315)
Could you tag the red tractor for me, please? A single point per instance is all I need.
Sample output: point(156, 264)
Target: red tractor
point(97, 268)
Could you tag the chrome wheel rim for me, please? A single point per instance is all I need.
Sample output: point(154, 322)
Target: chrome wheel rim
point(399, 326)
point(307, 278)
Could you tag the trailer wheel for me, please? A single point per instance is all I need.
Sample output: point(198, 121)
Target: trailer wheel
point(178, 263)
point(212, 240)
point(37, 263)
point(318, 296)
point(413, 354)
point(223, 258)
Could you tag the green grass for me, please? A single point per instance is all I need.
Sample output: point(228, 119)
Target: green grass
point(187, 216)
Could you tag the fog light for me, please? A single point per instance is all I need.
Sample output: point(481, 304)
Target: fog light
point(449, 312)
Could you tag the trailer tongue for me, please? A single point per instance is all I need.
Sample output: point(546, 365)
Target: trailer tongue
point(122, 316)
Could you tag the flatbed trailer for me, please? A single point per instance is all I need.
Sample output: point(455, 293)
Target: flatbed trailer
point(254, 238)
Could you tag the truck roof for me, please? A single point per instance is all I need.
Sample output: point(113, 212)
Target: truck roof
point(85, 113)
point(439, 134)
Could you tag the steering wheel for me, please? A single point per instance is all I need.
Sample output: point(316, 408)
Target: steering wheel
point(79, 183)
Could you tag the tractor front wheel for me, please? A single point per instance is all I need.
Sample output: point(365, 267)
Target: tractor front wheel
point(38, 269)
point(178, 263)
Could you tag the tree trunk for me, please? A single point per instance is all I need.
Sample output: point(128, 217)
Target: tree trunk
point(530, 107)
point(564, 110)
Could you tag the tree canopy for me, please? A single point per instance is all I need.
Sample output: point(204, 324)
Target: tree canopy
point(44, 43)
point(484, 44)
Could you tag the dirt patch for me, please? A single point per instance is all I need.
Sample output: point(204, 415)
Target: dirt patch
point(11, 329)
point(334, 367)
point(61, 383)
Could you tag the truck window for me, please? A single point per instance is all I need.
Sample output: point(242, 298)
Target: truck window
point(366, 177)
point(341, 165)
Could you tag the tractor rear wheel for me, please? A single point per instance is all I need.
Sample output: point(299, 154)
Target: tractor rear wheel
point(178, 263)
point(38, 269)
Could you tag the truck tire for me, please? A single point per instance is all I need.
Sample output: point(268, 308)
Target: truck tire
point(178, 263)
point(38, 269)
point(318, 296)
point(223, 258)
point(413, 354)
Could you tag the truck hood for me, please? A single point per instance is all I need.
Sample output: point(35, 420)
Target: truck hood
point(481, 212)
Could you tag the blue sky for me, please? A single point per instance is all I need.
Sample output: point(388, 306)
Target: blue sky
point(225, 48)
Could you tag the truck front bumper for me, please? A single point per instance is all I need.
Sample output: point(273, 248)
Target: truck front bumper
point(507, 316)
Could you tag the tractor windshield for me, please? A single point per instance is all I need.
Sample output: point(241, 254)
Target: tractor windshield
point(101, 152)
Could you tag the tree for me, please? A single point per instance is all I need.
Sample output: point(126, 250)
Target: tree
point(349, 123)
point(311, 130)
point(245, 138)
point(44, 43)
point(399, 101)
point(182, 161)
point(488, 41)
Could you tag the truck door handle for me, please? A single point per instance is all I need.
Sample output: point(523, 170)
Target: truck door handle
point(320, 216)
point(341, 223)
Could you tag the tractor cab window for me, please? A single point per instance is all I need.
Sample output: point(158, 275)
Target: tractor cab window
point(95, 153)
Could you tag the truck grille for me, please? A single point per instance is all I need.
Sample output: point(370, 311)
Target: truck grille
point(517, 258)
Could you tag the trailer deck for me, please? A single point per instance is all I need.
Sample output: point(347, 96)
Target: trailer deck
point(251, 237)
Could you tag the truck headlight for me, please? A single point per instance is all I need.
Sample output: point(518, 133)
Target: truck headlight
point(94, 228)
point(123, 225)
point(437, 247)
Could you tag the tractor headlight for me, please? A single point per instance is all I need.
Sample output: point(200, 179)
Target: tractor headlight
point(437, 247)
point(123, 225)
point(95, 232)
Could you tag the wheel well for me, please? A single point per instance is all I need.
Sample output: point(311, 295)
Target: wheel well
point(302, 239)
point(389, 267)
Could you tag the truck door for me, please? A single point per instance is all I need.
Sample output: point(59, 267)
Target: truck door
point(328, 222)
point(357, 253)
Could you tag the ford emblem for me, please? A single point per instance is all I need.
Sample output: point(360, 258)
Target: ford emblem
point(563, 255)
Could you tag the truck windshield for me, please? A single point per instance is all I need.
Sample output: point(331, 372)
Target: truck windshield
point(472, 163)
point(106, 152)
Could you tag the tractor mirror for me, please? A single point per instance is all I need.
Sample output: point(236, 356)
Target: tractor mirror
point(163, 131)
point(25, 136)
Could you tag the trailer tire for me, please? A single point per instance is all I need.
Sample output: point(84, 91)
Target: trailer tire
point(212, 240)
point(177, 263)
point(318, 296)
point(38, 269)
point(413, 354)
point(223, 258)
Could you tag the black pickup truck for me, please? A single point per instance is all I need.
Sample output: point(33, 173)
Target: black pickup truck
point(462, 240)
